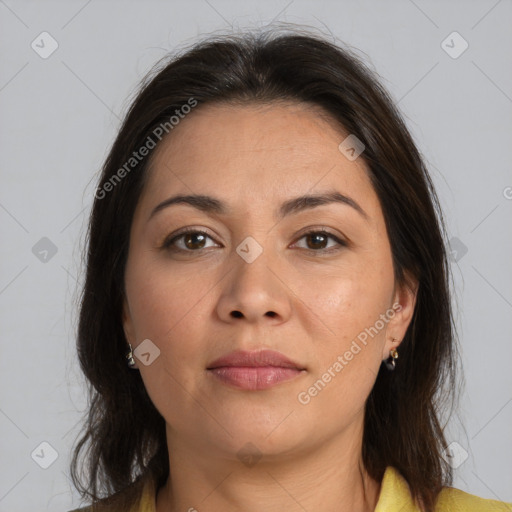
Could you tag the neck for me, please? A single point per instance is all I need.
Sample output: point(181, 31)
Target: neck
point(329, 477)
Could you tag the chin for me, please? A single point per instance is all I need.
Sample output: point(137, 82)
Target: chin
point(263, 435)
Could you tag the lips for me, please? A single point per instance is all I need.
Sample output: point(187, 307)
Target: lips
point(254, 370)
point(255, 359)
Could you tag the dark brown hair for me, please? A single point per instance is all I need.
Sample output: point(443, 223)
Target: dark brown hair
point(124, 434)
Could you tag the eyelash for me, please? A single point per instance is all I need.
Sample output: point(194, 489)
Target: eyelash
point(169, 242)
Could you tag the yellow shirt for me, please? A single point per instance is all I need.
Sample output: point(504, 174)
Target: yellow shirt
point(394, 497)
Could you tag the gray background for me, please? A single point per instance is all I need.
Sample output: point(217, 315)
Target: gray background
point(59, 116)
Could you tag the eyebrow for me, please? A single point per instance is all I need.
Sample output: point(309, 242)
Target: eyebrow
point(209, 204)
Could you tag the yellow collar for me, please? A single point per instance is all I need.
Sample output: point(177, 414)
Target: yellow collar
point(395, 496)
point(395, 493)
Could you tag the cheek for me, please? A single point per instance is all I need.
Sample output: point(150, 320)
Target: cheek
point(162, 301)
point(166, 307)
point(348, 309)
point(346, 301)
point(169, 308)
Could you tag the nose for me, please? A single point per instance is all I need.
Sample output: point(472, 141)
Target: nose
point(254, 292)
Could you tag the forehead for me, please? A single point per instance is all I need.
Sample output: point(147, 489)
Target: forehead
point(254, 152)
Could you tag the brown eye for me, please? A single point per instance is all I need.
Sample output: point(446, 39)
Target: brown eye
point(190, 241)
point(194, 240)
point(317, 241)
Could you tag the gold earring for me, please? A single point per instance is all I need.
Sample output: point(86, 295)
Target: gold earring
point(393, 354)
point(131, 360)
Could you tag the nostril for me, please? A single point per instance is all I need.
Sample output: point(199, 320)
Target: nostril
point(236, 314)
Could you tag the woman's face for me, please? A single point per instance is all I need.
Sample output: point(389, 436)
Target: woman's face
point(257, 281)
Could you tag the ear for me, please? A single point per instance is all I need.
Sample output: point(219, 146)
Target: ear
point(129, 331)
point(404, 303)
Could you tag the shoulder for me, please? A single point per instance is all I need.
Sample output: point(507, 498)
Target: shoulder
point(395, 495)
point(138, 497)
point(455, 500)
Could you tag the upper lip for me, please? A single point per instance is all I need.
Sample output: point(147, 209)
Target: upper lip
point(258, 358)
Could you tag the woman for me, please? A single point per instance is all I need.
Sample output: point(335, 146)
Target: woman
point(267, 247)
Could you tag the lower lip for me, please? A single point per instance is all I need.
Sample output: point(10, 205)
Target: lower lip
point(254, 378)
